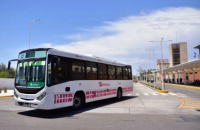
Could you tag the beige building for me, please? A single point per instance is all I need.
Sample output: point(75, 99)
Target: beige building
point(166, 64)
point(178, 53)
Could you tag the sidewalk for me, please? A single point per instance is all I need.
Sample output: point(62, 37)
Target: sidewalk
point(182, 85)
point(9, 93)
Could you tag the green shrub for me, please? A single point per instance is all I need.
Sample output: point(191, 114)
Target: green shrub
point(4, 74)
point(0, 90)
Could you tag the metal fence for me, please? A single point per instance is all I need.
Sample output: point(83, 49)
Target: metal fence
point(7, 82)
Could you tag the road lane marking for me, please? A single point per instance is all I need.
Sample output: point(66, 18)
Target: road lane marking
point(163, 94)
point(189, 103)
point(154, 94)
point(172, 93)
point(181, 95)
point(146, 94)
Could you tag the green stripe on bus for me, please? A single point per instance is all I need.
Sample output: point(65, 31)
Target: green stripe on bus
point(39, 62)
point(33, 63)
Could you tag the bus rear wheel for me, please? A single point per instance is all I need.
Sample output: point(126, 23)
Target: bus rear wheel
point(78, 101)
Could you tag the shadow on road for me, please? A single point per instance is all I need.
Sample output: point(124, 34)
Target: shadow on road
point(198, 110)
point(69, 112)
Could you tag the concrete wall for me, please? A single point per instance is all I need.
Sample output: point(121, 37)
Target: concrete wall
point(183, 52)
point(170, 55)
point(7, 82)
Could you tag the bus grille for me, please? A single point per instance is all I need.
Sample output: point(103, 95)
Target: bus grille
point(29, 90)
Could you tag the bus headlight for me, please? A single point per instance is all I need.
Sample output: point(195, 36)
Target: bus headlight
point(41, 96)
point(15, 94)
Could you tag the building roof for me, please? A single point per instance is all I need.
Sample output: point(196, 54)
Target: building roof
point(181, 67)
point(197, 46)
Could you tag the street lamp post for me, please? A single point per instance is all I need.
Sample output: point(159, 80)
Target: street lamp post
point(145, 63)
point(37, 20)
point(162, 65)
point(153, 65)
point(163, 88)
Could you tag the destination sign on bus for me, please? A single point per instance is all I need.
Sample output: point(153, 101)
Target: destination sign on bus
point(32, 54)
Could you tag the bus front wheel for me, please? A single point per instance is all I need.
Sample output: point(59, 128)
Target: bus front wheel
point(78, 101)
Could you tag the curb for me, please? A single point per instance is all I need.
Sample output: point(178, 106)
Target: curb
point(6, 96)
point(162, 91)
point(184, 86)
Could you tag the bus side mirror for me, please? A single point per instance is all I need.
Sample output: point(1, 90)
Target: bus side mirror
point(9, 65)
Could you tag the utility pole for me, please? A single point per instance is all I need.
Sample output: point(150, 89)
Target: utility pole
point(162, 78)
point(37, 20)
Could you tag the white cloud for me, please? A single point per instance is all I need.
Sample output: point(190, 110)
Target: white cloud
point(46, 45)
point(127, 39)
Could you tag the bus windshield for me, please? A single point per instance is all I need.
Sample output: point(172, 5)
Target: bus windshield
point(30, 73)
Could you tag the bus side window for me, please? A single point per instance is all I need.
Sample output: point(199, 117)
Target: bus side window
point(130, 73)
point(111, 72)
point(60, 73)
point(119, 72)
point(125, 72)
point(91, 70)
point(49, 71)
point(78, 70)
point(102, 71)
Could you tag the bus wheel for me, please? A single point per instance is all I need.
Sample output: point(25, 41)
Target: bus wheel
point(78, 101)
point(119, 94)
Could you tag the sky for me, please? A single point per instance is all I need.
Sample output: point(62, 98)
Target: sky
point(120, 30)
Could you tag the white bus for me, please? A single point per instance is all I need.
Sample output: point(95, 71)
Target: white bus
point(47, 78)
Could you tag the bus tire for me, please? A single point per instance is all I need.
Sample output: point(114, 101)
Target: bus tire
point(78, 101)
point(119, 94)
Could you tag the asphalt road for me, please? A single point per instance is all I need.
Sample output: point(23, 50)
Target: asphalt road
point(175, 88)
point(143, 109)
point(191, 93)
point(67, 120)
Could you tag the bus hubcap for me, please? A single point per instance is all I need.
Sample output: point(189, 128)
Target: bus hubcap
point(77, 102)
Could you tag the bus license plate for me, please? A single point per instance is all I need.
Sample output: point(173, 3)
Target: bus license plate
point(27, 105)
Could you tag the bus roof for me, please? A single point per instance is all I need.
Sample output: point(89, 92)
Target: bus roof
point(77, 56)
point(35, 49)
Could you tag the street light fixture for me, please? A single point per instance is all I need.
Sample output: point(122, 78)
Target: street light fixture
point(37, 20)
point(163, 88)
